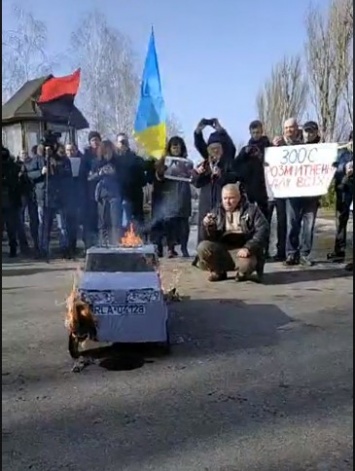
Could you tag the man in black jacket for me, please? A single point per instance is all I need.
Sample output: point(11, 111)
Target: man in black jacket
point(136, 177)
point(249, 166)
point(235, 226)
point(10, 198)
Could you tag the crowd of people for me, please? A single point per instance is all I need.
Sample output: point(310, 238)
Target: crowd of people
point(99, 192)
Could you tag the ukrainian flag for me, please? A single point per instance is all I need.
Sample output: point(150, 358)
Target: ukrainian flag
point(150, 124)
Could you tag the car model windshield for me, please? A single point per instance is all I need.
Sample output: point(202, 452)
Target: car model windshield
point(120, 262)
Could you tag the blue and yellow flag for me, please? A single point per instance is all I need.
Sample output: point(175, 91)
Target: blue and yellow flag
point(150, 124)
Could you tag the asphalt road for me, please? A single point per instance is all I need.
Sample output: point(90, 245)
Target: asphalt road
point(260, 378)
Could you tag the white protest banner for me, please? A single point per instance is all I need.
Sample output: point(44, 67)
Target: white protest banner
point(296, 171)
point(177, 168)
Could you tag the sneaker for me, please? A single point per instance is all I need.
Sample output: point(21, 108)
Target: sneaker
point(306, 261)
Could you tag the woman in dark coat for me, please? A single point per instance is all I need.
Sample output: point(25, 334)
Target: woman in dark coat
point(171, 205)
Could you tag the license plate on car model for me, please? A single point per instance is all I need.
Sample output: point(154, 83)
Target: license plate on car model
point(121, 310)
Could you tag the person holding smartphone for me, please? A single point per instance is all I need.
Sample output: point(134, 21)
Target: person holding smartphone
point(219, 134)
point(213, 172)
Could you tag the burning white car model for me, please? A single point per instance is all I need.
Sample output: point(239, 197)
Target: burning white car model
point(119, 298)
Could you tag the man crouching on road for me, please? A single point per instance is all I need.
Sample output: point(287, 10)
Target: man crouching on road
point(237, 228)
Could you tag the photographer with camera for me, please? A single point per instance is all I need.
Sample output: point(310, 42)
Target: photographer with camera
point(344, 191)
point(218, 135)
point(234, 237)
point(249, 166)
point(52, 176)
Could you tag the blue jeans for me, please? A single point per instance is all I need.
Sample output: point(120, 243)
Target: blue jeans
point(301, 219)
point(46, 217)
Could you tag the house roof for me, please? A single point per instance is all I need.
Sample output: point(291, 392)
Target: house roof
point(22, 107)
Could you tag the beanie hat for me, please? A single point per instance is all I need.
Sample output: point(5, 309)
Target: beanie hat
point(311, 126)
point(93, 134)
point(215, 138)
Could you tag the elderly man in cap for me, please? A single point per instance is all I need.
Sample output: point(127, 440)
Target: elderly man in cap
point(301, 214)
point(234, 237)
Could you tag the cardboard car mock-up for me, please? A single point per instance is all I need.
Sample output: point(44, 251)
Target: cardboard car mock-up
point(122, 285)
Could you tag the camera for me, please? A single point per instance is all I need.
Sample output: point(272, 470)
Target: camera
point(208, 122)
point(252, 150)
point(51, 139)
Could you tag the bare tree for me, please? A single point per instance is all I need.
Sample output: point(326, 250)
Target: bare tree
point(109, 84)
point(329, 41)
point(284, 95)
point(349, 89)
point(24, 52)
point(174, 127)
point(109, 90)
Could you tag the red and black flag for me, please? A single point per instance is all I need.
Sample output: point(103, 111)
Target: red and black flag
point(57, 96)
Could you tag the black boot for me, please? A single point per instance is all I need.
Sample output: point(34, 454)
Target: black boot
point(195, 261)
point(160, 252)
point(336, 257)
point(185, 252)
